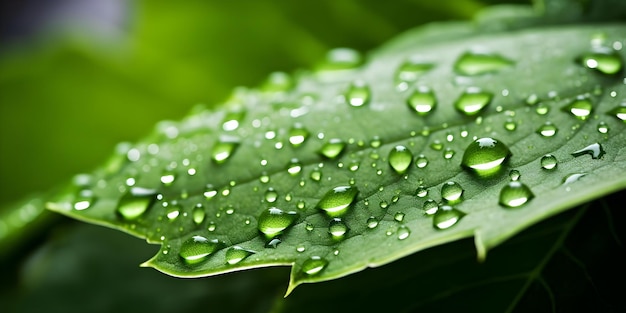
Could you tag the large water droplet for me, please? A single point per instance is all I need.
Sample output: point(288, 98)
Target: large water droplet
point(333, 148)
point(452, 192)
point(619, 111)
point(580, 108)
point(136, 202)
point(446, 217)
point(337, 201)
point(273, 221)
point(422, 101)
point(197, 249)
point(223, 149)
point(515, 194)
point(314, 265)
point(485, 156)
point(548, 162)
point(472, 101)
point(471, 63)
point(337, 228)
point(358, 94)
point(602, 59)
point(298, 135)
point(400, 158)
point(547, 129)
point(236, 254)
point(595, 150)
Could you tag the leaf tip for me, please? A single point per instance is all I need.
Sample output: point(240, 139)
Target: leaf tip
point(481, 249)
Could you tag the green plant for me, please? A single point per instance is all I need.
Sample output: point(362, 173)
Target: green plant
point(456, 127)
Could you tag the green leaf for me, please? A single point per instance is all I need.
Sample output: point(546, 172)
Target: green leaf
point(331, 176)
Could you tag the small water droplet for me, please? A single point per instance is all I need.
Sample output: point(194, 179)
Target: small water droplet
point(136, 202)
point(173, 212)
point(337, 200)
point(602, 59)
point(603, 127)
point(400, 158)
point(580, 108)
point(485, 156)
point(84, 200)
point(273, 243)
point(271, 195)
point(510, 125)
point(595, 150)
point(383, 204)
point(452, 192)
point(619, 111)
point(232, 120)
point(333, 148)
point(372, 222)
point(210, 192)
point(300, 248)
point(298, 135)
point(197, 249)
point(274, 221)
point(472, 63)
point(547, 130)
point(421, 191)
point(448, 153)
point(337, 228)
point(515, 194)
point(548, 162)
point(399, 216)
point(403, 232)
point(421, 161)
point(410, 71)
point(294, 167)
point(314, 265)
point(422, 101)
point(236, 254)
point(514, 175)
point(447, 216)
point(542, 109)
point(316, 175)
point(358, 94)
point(572, 178)
point(430, 207)
point(168, 177)
point(472, 101)
point(436, 145)
point(198, 214)
point(224, 149)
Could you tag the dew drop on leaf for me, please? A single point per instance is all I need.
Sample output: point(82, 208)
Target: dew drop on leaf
point(271, 195)
point(619, 112)
point(168, 177)
point(430, 207)
point(358, 94)
point(236, 254)
point(198, 214)
point(314, 265)
point(410, 71)
point(197, 249)
point(172, 212)
point(337, 200)
point(232, 120)
point(135, 203)
point(274, 221)
point(485, 156)
point(452, 192)
point(547, 129)
point(337, 228)
point(340, 59)
point(514, 175)
point(568, 179)
point(372, 222)
point(421, 191)
point(223, 149)
point(602, 59)
point(542, 109)
point(548, 162)
point(298, 135)
point(603, 127)
point(333, 148)
point(595, 150)
point(210, 192)
point(580, 108)
point(446, 217)
point(448, 153)
point(472, 101)
point(403, 232)
point(400, 158)
point(316, 174)
point(422, 101)
point(421, 161)
point(510, 125)
point(399, 216)
point(273, 243)
point(471, 63)
point(515, 194)
point(294, 167)
point(84, 200)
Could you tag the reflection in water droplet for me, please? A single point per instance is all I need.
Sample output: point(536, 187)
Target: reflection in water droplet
point(515, 194)
point(580, 108)
point(314, 265)
point(472, 101)
point(135, 203)
point(595, 150)
point(446, 217)
point(333, 148)
point(197, 249)
point(485, 156)
point(337, 228)
point(274, 220)
point(451, 192)
point(337, 201)
point(358, 94)
point(471, 63)
point(400, 158)
point(547, 130)
point(223, 149)
point(602, 59)
point(548, 162)
point(422, 101)
point(236, 254)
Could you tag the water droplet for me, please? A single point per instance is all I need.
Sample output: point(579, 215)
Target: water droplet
point(619, 111)
point(333, 148)
point(232, 120)
point(337, 201)
point(172, 212)
point(316, 175)
point(403, 232)
point(510, 125)
point(485, 156)
point(421, 191)
point(421, 161)
point(274, 220)
point(542, 109)
point(273, 243)
point(514, 175)
point(572, 178)
point(515, 194)
point(277, 82)
point(340, 59)
point(298, 135)
point(448, 153)
point(358, 94)
point(410, 71)
point(300, 248)
point(314, 265)
point(451, 192)
point(422, 100)
point(447, 216)
point(603, 127)
point(602, 59)
point(595, 150)
point(383, 204)
point(399, 216)
point(547, 130)
point(548, 162)
point(294, 167)
point(580, 108)
point(471, 63)
point(430, 206)
point(337, 228)
point(372, 222)
point(136, 202)
point(223, 149)
point(236, 254)
point(84, 200)
point(400, 158)
point(198, 214)
point(271, 195)
point(168, 177)
point(436, 145)
point(197, 249)
point(472, 101)
point(210, 192)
